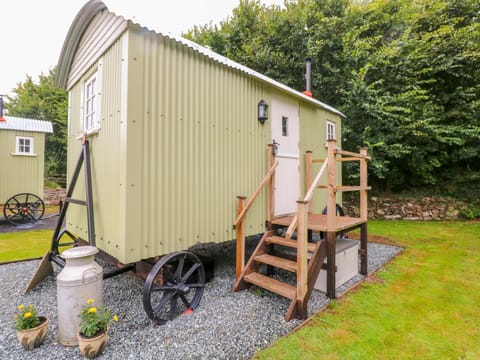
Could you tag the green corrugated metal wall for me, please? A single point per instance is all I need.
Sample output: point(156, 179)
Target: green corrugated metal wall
point(20, 173)
point(106, 157)
point(313, 137)
point(179, 140)
point(196, 145)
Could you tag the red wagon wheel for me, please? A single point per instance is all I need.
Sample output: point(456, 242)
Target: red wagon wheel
point(24, 208)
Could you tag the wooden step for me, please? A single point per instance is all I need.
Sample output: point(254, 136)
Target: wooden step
point(278, 240)
point(270, 284)
point(277, 262)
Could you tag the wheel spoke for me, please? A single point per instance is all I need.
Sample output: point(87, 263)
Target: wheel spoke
point(165, 299)
point(167, 273)
point(14, 210)
point(161, 287)
point(30, 214)
point(173, 307)
point(195, 286)
point(190, 272)
point(185, 301)
point(178, 272)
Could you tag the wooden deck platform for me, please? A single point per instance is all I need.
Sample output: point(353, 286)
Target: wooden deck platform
point(318, 222)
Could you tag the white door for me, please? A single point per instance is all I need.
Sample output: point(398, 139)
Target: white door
point(285, 132)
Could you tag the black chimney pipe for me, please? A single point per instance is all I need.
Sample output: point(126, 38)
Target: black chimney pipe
point(1, 108)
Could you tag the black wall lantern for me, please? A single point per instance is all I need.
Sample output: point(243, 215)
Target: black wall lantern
point(262, 111)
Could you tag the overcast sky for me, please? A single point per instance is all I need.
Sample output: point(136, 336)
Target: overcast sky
point(33, 31)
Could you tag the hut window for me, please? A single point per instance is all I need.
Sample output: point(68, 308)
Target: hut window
point(330, 130)
point(90, 119)
point(24, 145)
point(284, 126)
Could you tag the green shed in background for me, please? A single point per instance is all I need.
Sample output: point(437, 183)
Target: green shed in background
point(22, 156)
point(175, 136)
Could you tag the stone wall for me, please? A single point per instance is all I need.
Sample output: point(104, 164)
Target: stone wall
point(53, 196)
point(408, 208)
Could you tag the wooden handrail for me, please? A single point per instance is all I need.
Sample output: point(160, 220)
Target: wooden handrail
point(315, 182)
point(352, 154)
point(306, 199)
point(255, 194)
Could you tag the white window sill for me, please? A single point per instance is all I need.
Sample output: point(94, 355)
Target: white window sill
point(89, 133)
point(24, 154)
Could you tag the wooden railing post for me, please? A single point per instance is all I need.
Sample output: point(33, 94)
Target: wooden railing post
point(363, 213)
point(331, 218)
point(363, 186)
point(332, 179)
point(240, 259)
point(308, 173)
point(271, 184)
point(302, 258)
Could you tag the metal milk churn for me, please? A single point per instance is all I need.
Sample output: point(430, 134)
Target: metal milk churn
point(81, 279)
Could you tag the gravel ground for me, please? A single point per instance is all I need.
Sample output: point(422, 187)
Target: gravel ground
point(225, 326)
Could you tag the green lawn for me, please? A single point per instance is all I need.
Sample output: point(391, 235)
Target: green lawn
point(24, 244)
point(423, 305)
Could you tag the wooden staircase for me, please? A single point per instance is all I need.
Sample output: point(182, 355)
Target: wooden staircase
point(309, 258)
point(265, 254)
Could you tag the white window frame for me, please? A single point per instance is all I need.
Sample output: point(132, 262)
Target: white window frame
point(20, 148)
point(90, 113)
point(91, 103)
point(330, 130)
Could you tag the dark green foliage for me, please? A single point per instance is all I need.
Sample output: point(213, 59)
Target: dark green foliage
point(46, 102)
point(406, 73)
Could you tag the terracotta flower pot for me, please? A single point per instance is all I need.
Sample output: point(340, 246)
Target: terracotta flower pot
point(34, 337)
point(91, 347)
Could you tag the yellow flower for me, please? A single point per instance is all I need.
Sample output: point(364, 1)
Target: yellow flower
point(90, 301)
point(92, 310)
point(27, 314)
point(115, 318)
point(21, 307)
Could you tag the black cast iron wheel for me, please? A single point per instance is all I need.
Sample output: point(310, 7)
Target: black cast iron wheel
point(174, 286)
point(24, 208)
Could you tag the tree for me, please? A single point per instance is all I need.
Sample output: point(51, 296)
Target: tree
point(44, 101)
point(405, 73)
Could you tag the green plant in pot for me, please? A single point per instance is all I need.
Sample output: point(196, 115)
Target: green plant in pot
point(31, 328)
point(92, 334)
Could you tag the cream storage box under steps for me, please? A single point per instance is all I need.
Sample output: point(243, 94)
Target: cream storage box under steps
point(346, 261)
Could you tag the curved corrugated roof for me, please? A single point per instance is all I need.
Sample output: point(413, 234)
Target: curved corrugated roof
point(74, 35)
point(93, 7)
point(24, 124)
